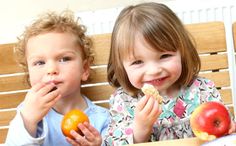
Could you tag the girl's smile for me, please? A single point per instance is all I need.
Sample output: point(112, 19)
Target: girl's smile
point(149, 65)
point(157, 82)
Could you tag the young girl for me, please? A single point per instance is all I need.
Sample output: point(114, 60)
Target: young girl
point(150, 45)
point(57, 54)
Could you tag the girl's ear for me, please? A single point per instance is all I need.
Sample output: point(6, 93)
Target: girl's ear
point(86, 70)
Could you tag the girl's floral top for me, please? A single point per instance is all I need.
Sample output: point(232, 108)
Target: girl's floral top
point(173, 122)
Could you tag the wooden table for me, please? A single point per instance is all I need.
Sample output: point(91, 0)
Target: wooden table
point(177, 142)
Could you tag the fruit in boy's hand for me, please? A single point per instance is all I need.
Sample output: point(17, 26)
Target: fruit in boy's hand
point(210, 120)
point(71, 121)
point(149, 89)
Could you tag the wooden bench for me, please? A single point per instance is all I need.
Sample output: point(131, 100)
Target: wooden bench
point(234, 36)
point(211, 44)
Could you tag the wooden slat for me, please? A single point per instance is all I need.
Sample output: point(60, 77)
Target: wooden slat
point(209, 37)
point(11, 83)
point(226, 96)
point(221, 79)
point(102, 47)
point(8, 63)
point(97, 93)
point(6, 117)
point(105, 105)
point(11, 100)
point(214, 62)
point(3, 135)
point(234, 35)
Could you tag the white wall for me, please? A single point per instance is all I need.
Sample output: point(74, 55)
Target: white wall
point(14, 14)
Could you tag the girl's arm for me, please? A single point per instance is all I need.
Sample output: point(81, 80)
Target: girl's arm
point(120, 129)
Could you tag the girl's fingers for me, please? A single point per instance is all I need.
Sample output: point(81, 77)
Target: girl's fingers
point(156, 109)
point(141, 104)
point(149, 105)
point(232, 127)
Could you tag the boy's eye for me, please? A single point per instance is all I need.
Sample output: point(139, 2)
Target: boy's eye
point(165, 56)
point(64, 59)
point(36, 63)
point(137, 62)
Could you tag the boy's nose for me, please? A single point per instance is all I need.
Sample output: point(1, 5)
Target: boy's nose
point(52, 70)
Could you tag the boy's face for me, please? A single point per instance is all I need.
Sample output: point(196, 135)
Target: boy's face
point(55, 57)
point(147, 65)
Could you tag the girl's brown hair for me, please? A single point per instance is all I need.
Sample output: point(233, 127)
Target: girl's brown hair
point(162, 29)
point(64, 22)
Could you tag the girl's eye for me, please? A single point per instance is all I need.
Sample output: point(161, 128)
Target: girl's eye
point(137, 62)
point(165, 56)
point(36, 63)
point(64, 59)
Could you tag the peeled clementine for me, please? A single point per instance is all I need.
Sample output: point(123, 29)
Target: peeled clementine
point(71, 121)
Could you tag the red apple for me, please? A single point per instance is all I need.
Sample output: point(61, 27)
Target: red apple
point(210, 120)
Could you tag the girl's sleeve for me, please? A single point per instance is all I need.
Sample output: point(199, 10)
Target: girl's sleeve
point(18, 135)
point(209, 91)
point(120, 131)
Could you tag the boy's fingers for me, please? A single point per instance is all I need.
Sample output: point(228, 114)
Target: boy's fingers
point(91, 128)
point(89, 131)
point(46, 89)
point(37, 87)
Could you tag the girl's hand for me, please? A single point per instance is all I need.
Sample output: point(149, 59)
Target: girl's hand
point(146, 113)
point(232, 127)
point(36, 105)
point(91, 136)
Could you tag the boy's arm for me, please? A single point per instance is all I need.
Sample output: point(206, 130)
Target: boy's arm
point(18, 135)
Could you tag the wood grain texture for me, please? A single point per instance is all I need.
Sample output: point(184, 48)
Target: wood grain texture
point(234, 35)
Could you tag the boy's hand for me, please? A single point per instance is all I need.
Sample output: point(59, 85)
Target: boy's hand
point(146, 113)
point(37, 103)
point(91, 136)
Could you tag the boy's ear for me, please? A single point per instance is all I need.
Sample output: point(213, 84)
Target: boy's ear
point(86, 72)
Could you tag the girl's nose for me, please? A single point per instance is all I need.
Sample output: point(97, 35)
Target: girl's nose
point(154, 70)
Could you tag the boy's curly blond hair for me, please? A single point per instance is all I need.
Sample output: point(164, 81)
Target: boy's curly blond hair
point(64, 22)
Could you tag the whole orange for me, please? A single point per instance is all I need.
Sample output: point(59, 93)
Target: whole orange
point(71, 120)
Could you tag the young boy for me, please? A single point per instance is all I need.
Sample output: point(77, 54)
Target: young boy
point(56, 53)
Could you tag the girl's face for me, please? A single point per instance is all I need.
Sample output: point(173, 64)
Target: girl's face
point(147, 65)
point(54, 57)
